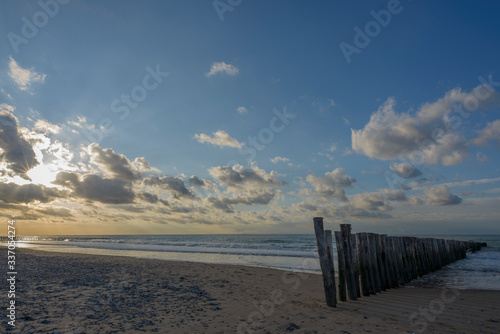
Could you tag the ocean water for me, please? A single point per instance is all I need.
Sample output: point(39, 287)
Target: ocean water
point(295, 252)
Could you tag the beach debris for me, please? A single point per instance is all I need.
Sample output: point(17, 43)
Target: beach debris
point(291, 327)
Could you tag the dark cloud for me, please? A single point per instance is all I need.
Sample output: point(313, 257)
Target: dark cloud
point(148, 197)
point(196, 181)
point(27, 193)
point(226, 203)
point(238, 177)
point(405, 170)
point(441, 195)
point(394, 195)
point(15, 150)
point(116, 164)
point(305, 207)
point(93, 187)
point(176, 186)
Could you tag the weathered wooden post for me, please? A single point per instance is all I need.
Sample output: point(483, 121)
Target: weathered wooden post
point(341, 265)
point(364, 267)
point(355, 263)
point(386, 261)
point(373, 241)
point(345, 231)
point(393, 270)
point(326, 262)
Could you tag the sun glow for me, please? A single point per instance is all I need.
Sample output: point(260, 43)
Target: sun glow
point(43, 174)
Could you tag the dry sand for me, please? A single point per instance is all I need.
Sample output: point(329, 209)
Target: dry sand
point(73, 293)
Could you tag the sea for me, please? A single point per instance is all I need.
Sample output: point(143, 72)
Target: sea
point(292, 252)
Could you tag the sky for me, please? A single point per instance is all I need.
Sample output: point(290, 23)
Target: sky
point(233, 116)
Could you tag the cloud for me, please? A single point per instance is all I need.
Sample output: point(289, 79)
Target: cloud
point(219, 138)
point(453, 159)
point(244, 178)
point(427, 136)
point(405, 170)
point(16, 151)
point(44, 126)
point(196, 181)
point(222, 67)
point(490, 132)
point(440, 195)
point(346, 121)
point(394, 195)
point(255, 198)
point(148, 197)
point(331, 184)
point(24, 77)
point(176, 186)
point(368, 201)
point(481, 157)
point(242, 110)
point(56, 212)
point(279, 159)
point(28, 193)
point(117, 165)
point(93, 187)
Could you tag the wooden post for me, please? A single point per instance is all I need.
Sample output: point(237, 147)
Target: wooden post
point(380, 263)
point(355, 263)
point(398, 247)
point(341, 265)
point(386, 261)
point(364, 267)
point(345, 231)
point(372, 238)
point(393, 269)
point(326, 265)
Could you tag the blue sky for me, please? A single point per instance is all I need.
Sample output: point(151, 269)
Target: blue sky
point(249, 116)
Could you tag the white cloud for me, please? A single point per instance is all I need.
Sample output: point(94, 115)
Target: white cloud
point(346, 121)
point(440, 195)
point(24, 77)
point(222, 67)
point(427, 136)
point(45, 126)
point(242, 110)
point(331, 184)
point(490, 132)
point(278, 159)
point(332, 102)
point(453, 159)
point(219, 138)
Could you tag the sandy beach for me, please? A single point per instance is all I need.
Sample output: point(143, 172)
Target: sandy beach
point(74, 293)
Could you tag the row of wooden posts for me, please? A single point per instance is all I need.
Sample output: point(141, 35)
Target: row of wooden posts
point(369, 263)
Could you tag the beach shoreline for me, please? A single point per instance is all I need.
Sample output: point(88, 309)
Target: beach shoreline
point(78, 293)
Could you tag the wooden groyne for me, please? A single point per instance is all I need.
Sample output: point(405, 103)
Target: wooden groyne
point(369, 263)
